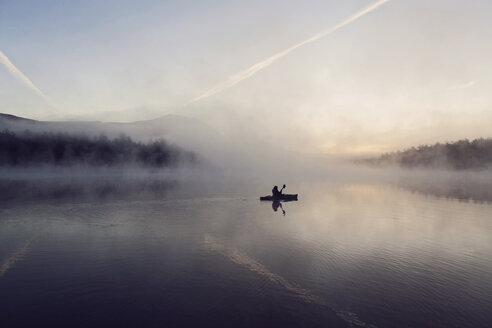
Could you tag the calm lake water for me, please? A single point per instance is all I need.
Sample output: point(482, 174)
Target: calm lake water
point(165, 253)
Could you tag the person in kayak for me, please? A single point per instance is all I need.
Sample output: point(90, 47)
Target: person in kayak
point(276, 193)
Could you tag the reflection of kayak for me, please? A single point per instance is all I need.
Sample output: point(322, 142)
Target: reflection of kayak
point(284, 197)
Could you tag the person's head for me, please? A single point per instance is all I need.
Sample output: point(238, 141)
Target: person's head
point(275, 188)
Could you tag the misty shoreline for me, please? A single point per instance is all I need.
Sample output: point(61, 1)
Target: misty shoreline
point(459, 156)
point(31, 150)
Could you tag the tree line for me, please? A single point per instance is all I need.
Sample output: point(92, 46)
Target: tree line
point(459, 155)
point(30, 149)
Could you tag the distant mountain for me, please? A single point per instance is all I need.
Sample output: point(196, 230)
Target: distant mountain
point(188, 133)
point(8, 117)
point(459, 155)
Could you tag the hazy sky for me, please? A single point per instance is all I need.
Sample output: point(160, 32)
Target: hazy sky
point(411, 71)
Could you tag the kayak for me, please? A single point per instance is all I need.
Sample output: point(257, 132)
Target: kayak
point(284, 197)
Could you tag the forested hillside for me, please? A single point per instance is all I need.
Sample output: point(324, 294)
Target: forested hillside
point(61, 149)
point(459, 155)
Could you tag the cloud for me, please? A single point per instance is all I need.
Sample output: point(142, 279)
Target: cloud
point(24, 79)
point(236, 78)
point(462, 86)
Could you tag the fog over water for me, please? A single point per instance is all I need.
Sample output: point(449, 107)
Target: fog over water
point(84, 245)
point(184, 248)
point(136, 139)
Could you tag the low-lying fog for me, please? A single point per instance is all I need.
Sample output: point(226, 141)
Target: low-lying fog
point(247, 163)
point(101, 184)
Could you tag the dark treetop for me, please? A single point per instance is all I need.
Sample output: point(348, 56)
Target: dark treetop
point(62, 149)
point(459, 155)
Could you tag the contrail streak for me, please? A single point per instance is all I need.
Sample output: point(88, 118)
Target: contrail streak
point(24, 79)
point(236, 78)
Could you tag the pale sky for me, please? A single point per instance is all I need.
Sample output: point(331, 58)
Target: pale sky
point(410, 72)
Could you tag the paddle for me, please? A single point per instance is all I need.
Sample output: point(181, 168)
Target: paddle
point(282, 188)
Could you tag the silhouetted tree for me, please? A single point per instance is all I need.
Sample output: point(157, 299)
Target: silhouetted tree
point(459, 155)
point(62, 149)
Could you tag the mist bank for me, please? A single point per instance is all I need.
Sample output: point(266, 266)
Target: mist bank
point(65, 185)
point(83, 189)
point(183, 132)
point(238, 150)
point(459, 155)
point(28, 149)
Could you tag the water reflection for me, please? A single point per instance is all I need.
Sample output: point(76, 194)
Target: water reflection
point(307, 296)
point(13, 257)
point(347, 255)
point(464, 187)
point(276, 204)
point(84, 189)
